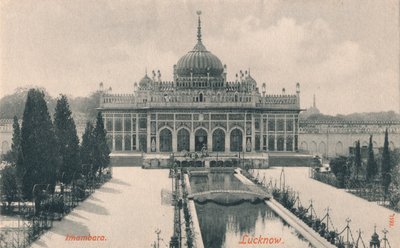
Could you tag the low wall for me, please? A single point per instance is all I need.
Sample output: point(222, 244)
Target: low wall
point(119, 160)
point(308, 233)
point(198, 239)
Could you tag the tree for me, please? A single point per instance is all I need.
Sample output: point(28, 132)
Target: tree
point(37, 162)
point(340, 168)
point(8, 184)
point(386, 164)
point(12, 155)
point(357, 158)
point(101, 158)
point(13, 105)
point(394, 187)
point(68, 142)
point(372, 168)
point(87, 148)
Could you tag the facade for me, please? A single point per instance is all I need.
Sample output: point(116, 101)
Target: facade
point(334, 138)
point(201, 110)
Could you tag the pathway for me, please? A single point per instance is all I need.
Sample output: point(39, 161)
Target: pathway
point(127, 210)
point(363, 214)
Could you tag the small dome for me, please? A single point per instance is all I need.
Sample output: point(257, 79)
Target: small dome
point(145, 82)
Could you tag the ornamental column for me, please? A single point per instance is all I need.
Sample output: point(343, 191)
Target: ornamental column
point(174, 140)
point(209, 141)
point(113, 132)
point(276, 136)
point(253, 133)
point(149, 132)
point(137, 132)
point(284, 134)
point(227, 140)
point(191, 142)
point(294, 135)
point(123, 132)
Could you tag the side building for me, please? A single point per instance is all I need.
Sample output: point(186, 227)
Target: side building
point(335, 138)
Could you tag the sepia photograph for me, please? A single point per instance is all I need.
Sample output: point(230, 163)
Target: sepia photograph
point(200, 124)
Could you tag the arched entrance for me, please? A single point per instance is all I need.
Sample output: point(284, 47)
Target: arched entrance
point(165, 140)
point(304, 146)
point(4, 147)
point(218, 141)
point(183, 140)
point(313, 147)
point(322, 148)
point(200, 140)
point(236, 140)
point(339, 148)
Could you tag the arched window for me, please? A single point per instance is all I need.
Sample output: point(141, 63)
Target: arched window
point(118, 142)
point(127, 144)
point(200, 140)
point(236, 98)
point(218, 140)
point(183, 140)
point(280, 143)
point(201, 97)
point(165, 140)
point(289, 143)
point(271, 143)
point(236, 140)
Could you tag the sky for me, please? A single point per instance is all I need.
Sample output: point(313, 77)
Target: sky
point(344, 52)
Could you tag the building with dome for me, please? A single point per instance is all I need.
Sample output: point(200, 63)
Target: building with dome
point(201, 110)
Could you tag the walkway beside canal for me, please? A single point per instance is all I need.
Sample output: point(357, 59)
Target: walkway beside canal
point(363, 214)
point(126, 211)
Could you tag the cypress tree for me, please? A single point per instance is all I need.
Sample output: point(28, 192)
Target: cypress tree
point(386, 164)
point(87, 148)
point(8, 184)
point(101, 158)
point(37, 160)
point(68, 142)
point(357, 158)
point(12, 155)
point(372, 168)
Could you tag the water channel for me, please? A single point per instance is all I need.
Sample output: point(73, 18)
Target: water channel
point(237, 225)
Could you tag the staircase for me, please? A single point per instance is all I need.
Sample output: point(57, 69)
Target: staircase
point(289, 159)
point(121, 160)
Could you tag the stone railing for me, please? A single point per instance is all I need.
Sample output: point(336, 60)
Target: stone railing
point(209, 101)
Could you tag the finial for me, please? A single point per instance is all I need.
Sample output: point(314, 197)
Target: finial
point(348, 220)
point(145, 70)
point(314, 103)
point(199, 27)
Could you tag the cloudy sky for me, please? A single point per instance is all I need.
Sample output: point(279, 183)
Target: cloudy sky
point(345, 52)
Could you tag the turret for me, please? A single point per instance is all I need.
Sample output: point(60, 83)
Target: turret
point(264, 89)
point(298, 93)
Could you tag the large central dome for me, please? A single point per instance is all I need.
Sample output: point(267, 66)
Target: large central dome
point(199, 61)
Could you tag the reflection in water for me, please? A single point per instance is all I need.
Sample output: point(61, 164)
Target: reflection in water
point(226, 226)
point(214, 181)
point(223, 226)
